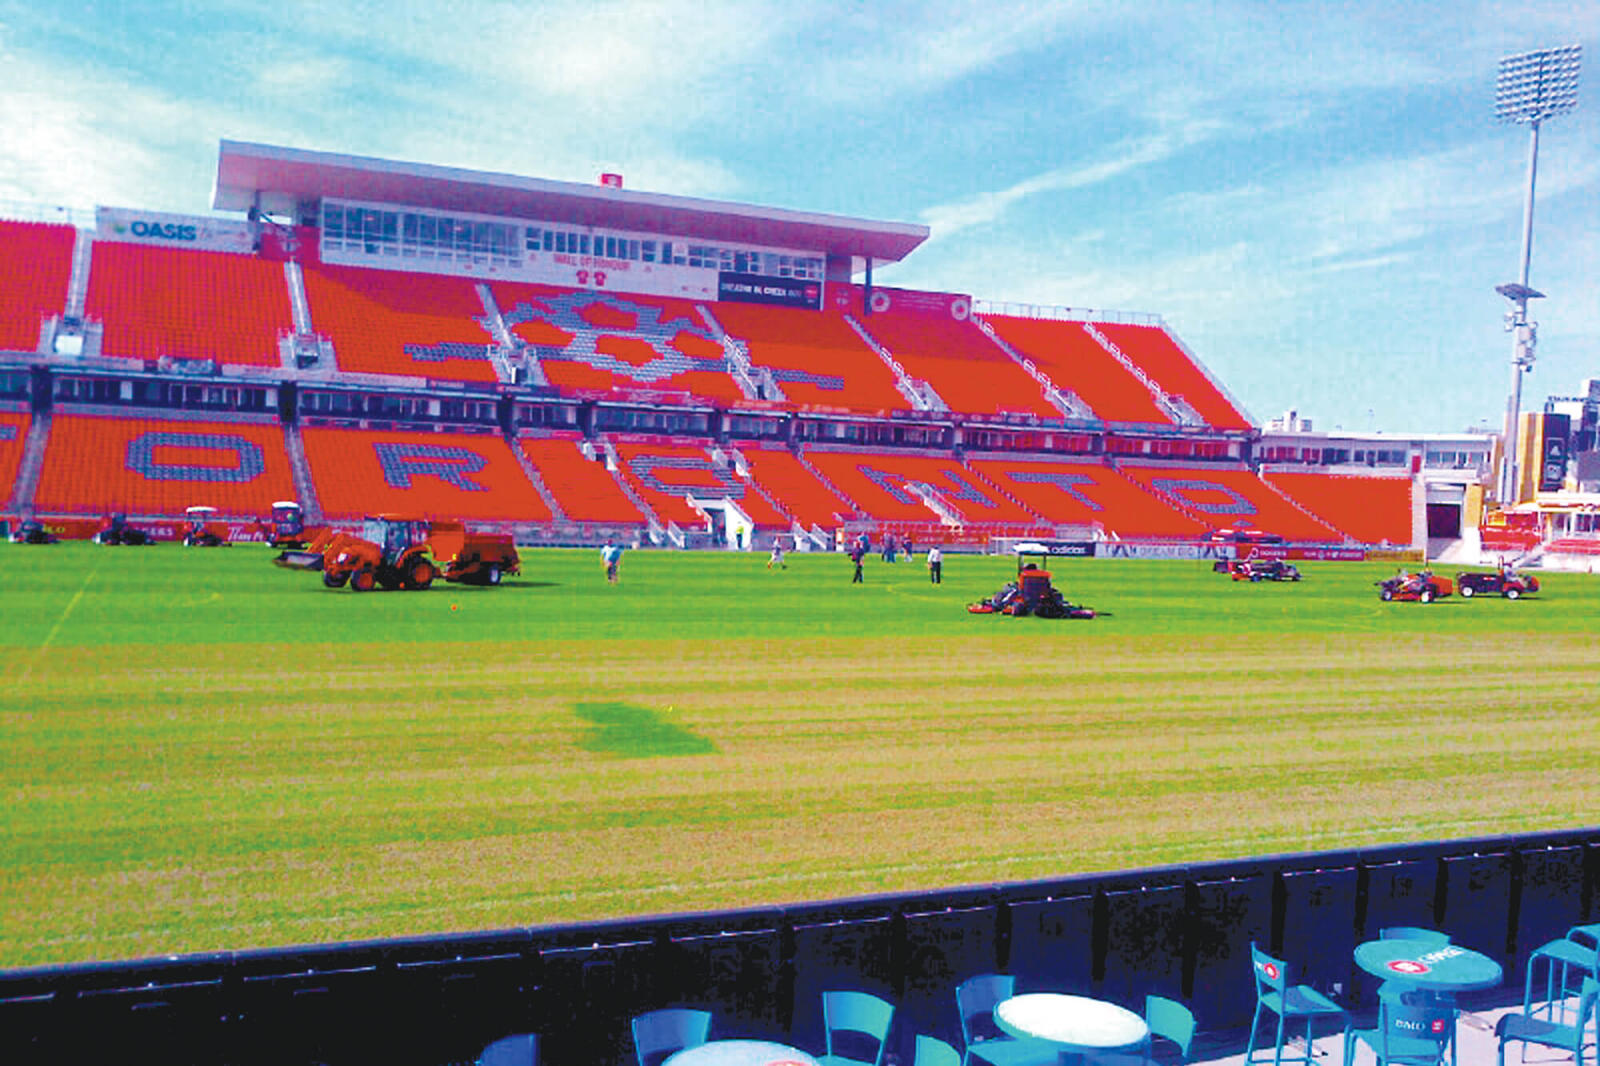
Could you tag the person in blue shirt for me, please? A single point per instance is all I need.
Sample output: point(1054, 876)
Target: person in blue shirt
point(611, 556)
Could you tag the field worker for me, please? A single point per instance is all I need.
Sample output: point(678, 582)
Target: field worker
point(856, 555)
point(777, 555)
point(611, 556)
point(935, 565)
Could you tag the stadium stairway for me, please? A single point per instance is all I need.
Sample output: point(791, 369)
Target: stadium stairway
point(27, 482)
point(741, 470)
point(1064, 400)
point(828, 482)
point(504, 351)
point(920, 394)
point(1303, 509)
point(614, 468)
point(1180, 413)
point(533, 475)
point(1003, 492)
point(305, 487)
point(757, 383)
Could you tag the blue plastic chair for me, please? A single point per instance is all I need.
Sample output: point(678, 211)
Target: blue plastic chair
point(1169, 1021)
point(931, 1051)
point(1576, 954)
point(855, 1021)
point(519, 1050)
point(1275, 993)
point(659, 1033)
point(976, 998)
point(1408, 1034)
point(1527, 1029)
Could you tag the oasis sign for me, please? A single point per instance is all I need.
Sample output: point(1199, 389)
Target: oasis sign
point(183, 231)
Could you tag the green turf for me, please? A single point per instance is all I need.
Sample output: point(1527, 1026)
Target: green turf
point(202, 751)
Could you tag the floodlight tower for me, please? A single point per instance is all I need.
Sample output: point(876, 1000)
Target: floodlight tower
point(1532, 87)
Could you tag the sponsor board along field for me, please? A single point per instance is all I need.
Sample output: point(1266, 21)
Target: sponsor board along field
point(202, 751)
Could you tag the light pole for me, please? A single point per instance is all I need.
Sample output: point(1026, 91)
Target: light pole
point(1532, 87)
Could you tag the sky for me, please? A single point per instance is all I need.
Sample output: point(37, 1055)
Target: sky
point(1314, 196)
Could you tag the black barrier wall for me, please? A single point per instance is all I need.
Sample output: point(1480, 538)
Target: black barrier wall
point(1183, 932)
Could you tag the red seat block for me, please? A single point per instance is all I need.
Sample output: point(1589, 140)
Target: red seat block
point(447, 475)
point(96, 464)
point(27, 296)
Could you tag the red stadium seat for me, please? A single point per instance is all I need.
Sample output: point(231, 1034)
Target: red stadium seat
point(816, 358)
point(795, 487)
point(1159, 355)
point(1075, 361)
point(1089, 494)
point(392, 322)
point(1372, 510)
point(95, 464)
point(155, 302)
point(1228, 496)
point(27, 296)
point(619, 342)
point(969, 371)
point(14, 426)
point(583, 488)
point(890, 486)
point(450, 475)
point(664, 475)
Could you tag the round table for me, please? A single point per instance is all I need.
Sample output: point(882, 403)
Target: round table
point(1428, 966)
point(740, 1053)
point(1075, 1023)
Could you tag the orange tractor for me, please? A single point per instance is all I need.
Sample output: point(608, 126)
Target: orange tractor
point(406, 552)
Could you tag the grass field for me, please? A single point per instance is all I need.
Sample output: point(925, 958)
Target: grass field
point(202, 751)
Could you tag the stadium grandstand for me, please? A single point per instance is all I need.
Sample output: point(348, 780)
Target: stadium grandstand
point(575, 363)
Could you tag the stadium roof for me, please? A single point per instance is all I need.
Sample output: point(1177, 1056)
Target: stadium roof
point(277, 180)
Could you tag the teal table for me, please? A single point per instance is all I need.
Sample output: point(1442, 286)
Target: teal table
point(1073, 1024)
point(1427, 966)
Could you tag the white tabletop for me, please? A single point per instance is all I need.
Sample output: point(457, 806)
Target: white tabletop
point(740, 1053)
point(1071, 1021)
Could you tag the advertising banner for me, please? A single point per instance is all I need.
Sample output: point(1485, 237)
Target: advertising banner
point(1280, 551)
point(1072, 549)
point(173, 231)
point(759, 289)
point(1553, 468)
point(887, 300)
point(1125, 550)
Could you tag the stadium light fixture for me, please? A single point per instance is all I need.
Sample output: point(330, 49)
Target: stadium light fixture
point(1532, 87)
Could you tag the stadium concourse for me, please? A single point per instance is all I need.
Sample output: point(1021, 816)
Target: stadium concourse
point(579, 363)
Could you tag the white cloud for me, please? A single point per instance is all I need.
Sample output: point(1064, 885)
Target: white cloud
point(947, 220)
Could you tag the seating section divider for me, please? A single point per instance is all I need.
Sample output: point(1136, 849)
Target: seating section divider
point(601, 342)
point(664, 474)
point(97, 464)
point(1075, 361)
point(1373, 510)
point(359, 472)
point(29, 295)
point(971, 373)
point(396, 322)
point(815, 357)
point(188, 304)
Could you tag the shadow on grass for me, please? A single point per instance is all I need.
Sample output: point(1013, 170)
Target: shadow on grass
point(636, 732)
